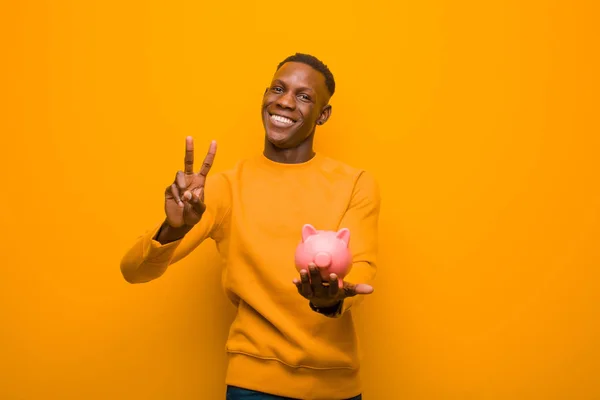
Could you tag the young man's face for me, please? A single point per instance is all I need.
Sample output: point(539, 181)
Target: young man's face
point(292, 105)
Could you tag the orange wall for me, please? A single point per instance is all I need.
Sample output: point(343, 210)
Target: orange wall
point(480, 121)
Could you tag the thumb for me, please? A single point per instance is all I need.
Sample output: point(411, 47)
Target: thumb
point(361, 288)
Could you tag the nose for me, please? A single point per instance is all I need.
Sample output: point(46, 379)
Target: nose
point(322, 259)
point(287, 100)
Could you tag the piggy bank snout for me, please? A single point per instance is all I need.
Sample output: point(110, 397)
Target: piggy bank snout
point(322, 259)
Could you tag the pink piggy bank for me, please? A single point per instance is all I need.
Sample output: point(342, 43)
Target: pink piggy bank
point(327, 249)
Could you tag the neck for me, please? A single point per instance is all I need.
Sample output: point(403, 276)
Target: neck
point(295, 155)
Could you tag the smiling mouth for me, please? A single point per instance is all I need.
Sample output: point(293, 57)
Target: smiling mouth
point(280, 120)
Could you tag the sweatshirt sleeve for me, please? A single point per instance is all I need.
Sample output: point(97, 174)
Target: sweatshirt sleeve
point(362, 219)
point(147, 259)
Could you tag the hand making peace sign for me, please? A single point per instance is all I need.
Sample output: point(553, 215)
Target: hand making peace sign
point(184, 199)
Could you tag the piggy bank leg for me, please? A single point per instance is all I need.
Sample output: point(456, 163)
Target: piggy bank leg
point(340, 283)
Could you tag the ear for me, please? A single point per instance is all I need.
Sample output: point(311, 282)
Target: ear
point(344, 234)
point(308, 230)
point(325, 114)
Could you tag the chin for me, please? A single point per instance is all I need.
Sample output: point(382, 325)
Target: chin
point(280, 140)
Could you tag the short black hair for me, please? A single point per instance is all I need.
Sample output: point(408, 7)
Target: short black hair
point(316, 64)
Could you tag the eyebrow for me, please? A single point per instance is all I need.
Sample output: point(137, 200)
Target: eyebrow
point(300, 88)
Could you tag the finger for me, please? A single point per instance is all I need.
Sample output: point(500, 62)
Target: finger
point(180, 181)
point(209, 159)
point(189, 211)
point(195, 198)
point(298, 284)
point(334, 286)
point(192, 210)
point(189, 155)
point(196, 201)
point(199, 193)
point(315, 280)
point(361, 288)
point(176, 196)
point(315, 275)
point(306, 289)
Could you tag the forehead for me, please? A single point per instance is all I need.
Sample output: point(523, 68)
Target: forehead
point(298, 74)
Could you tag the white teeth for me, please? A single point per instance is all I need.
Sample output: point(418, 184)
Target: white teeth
point(281, 119)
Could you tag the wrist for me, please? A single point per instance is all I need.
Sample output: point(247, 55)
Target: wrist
point(168, 233)
point(328, 309)
point(326, 304)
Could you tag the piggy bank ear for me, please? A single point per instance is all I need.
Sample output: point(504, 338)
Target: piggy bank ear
point(308, 230)
point(344, 234)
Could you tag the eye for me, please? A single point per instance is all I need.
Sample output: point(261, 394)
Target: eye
point(277, 89)
point(305, 97)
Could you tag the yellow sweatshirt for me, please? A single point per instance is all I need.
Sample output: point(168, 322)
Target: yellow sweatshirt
point(255, 213)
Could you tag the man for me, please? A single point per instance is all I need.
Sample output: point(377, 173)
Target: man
point(293, 335)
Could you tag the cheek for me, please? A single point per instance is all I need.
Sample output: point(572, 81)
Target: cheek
point(267, 99)
point(309, 113)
